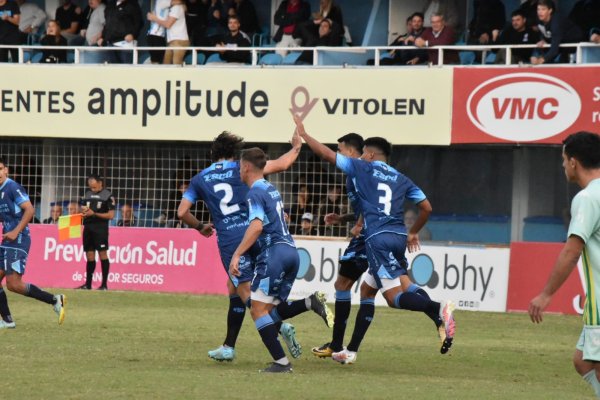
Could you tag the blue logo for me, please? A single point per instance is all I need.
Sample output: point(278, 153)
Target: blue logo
point(422, 272)
point(306, 270)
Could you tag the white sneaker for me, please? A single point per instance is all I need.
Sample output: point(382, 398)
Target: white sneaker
point(59, 307)
point(7, 325)
point(448, 327)
point(344, 357)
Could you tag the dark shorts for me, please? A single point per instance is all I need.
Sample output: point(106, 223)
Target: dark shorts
point(276, 270)
point(95, 238)
point(246, 265)
point(353, 263)
point(386, 254)
point(13, 260)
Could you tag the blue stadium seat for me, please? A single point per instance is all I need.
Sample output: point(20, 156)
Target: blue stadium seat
point(214, 58)
point(37, 57)
point(271, 59)
point(290, 58)
point(200, 59)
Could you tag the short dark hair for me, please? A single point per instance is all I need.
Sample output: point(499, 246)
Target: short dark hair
point(380, 144)
point(95, 177)
point(353, 140)
point(518, 12)
point(585, 147)
point(547, 3)
point(226, 145)
point(255, 156)
point(418, 14)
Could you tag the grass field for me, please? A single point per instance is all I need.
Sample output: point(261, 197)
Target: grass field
point(118, 345)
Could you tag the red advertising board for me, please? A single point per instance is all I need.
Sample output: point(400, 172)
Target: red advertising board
point(524, 105)
point(154, 260)
point(530, 266)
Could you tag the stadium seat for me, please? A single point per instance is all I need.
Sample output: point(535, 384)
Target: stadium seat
point(70, 57)
point(490, 58)
point(466, 57)
point(143, 56)
point(200, 59)
point(214, 58)
point(37, 57)
point(271, 59)
point(290, 58)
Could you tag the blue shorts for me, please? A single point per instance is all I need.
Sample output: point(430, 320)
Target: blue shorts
point(13, 260)
point(353, 263)
point(276, 270)
point(246, 265)
point(385, 252)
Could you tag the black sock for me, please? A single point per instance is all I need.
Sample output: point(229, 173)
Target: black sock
point(363, 321)
point(90, 266)
point(342, 311)
point(105, 269)
point(235, 318)
point(268, 334)
point(433, 314)
point(4, 310)
point(39, 294)
point(288, 309)
point(416, 302)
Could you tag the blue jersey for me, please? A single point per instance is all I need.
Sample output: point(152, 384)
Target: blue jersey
point(265, 204)
point(381, 192)
point(12, 195)
point(353, 197)
point(224, 193)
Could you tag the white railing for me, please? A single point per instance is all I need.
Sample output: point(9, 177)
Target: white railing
point(26, 52)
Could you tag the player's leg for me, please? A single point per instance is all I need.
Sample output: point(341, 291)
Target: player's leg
point(102, 247)
point(7, 321)
point(90, 256)
point(587, 356)
point(268, 332)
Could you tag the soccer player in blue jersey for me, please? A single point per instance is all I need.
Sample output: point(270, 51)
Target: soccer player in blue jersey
point(224, 193)
point(277, 260)
point(16, 211)
point(381, 192)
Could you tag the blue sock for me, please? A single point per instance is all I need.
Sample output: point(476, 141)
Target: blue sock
point(268, 333)
point(38, 294)
point(4, 310)
point(235, 318)
point(288, 309)
point(363, 321)
point(431, 313)
point(342, 311)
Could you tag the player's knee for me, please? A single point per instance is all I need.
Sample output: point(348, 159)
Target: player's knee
point(13, 286)
point(582, 367)
point(343, 283)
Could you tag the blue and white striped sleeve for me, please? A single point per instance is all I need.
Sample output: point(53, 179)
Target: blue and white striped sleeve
point(345, 164)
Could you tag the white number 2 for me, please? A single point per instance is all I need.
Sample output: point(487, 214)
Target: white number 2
point(226, 209)
point(386, 199)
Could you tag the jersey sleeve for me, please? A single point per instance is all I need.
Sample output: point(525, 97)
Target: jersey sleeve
point(20, 194)
point(346, 164)
point(192, 194)
point(414, 193)
point(584, 217)
point(256, 206)
point(112, 203)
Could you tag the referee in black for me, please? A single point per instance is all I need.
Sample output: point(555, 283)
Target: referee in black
point(98, 208)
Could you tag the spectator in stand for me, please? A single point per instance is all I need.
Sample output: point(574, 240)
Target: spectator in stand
point(331, 204)
point(487, 22)
point(195, 20)
point(123, 22)
point(93, 31)
point(595, 35)
point(518, 32)
point(68, 16)
point(306, 226)
point(529, 9)
point(438, 35)
point(245, 11)
point(410, 217)
point(177, 35)
point(300, 206)
point(408, 57)
point(84, 21)
point(55, 212)
point(585, 14)
point(216, 22)
point(127, 217)
point(32, 18)
point(554, 30)
point(447, 8)
point(309, 30)
point(10, 16)
point(73, 208)
point(234, 39)
point(52, 38)
point(327, 37)
point(156, 36)
point(288, 17)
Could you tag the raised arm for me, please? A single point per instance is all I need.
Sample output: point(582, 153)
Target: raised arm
point(286, 160)
point(318, 148)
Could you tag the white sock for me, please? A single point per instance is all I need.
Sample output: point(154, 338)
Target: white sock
point(283, 361)
point(592, 379)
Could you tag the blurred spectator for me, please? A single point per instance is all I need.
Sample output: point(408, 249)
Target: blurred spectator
point(438, 35)
point(195, 21)
point(309, 30)
point(410, 217)
point(529, 9)
point(288, 17)
point(68, 16)
point(408, 57)
point(595, 35)
point(73, 208)
point(306, 226)
point(332, 203)
point(487, 22)
point(301, 205)
point(156, 36)
point(9, 29)
point(32, 18)
point(554, 30)
point(234, 39)
point(93, 31)
point(245, 11)
point(127, 217)
point(517, 33)
point(53, 37)
point(447, 8)
point(123, 22)
point(177, 35)
point(326, 38)
point(55, 212)
point(585, 14)
point(216, 22)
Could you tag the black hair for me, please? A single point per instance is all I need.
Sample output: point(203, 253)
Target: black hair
point(353, 140)
point(418, 14)
point(547, 3)
point(518, 12)
point(255, 156)
point(95, 177)
point(585, 148)
point(226, 145)
point(380, 144)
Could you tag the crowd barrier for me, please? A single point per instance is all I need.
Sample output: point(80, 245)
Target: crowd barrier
point(477, 278)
